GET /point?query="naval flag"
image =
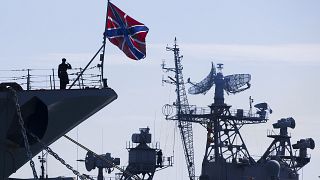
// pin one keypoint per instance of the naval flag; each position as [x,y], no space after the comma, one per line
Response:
[126,33]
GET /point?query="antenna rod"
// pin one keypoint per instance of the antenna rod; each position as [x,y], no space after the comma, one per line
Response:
[104,44]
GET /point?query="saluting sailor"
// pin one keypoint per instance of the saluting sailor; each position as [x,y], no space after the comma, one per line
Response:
[62,73]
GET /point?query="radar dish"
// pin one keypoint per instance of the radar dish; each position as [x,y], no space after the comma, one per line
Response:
[205,85]
[234,83]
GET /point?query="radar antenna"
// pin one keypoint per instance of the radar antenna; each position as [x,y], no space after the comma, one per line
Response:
[231,84]
[236,81]
[205,85]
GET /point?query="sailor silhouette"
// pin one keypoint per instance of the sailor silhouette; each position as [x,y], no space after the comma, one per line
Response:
[62,73]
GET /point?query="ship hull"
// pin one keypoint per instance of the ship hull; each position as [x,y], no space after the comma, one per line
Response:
[238,171]
[49,114]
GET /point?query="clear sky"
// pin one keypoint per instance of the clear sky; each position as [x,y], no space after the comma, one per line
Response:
[276,41]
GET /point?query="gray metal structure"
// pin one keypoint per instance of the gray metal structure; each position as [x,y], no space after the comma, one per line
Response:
[142,158]
[226,155]
[182,107]
[281,149]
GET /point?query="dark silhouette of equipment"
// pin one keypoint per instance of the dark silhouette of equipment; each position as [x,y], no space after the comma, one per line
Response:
[283,124]
[262,109]
[281,150]
[303,145]
[143,160]
[105,161]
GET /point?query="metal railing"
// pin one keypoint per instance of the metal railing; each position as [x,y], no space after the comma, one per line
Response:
[195,110]
[47,79]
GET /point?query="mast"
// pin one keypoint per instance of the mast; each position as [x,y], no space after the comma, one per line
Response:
[182,108]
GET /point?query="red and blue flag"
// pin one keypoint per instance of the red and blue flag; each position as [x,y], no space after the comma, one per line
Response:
[126,33]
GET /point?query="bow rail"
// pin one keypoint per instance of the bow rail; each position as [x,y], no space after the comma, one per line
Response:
[47,79]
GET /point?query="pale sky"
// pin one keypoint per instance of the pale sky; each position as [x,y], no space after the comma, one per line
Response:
[276,41]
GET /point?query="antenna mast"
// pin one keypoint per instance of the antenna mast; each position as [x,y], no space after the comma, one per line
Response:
[226,155]
[182,107]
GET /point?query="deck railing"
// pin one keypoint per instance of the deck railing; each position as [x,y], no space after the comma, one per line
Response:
[37,79]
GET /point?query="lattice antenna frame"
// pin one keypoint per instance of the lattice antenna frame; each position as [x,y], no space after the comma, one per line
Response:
[235,83]
[205,85]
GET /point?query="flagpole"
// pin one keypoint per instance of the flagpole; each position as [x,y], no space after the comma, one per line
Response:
[104,47]
[86,67]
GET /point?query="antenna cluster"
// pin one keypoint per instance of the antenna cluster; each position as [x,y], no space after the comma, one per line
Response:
[232,83]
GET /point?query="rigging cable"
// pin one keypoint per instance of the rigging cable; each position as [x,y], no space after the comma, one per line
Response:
[62,161]
[103,159]
[27,146]
[23,131]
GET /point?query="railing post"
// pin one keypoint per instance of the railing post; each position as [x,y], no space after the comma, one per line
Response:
[28,80]
[79,83]
[82,78]
[50,82]
[54,81]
